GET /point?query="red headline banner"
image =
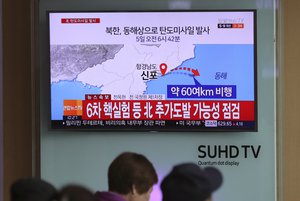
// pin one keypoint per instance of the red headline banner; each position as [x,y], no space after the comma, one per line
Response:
[167,110]
[79,20]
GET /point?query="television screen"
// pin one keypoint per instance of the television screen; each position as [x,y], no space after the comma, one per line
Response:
[153,70]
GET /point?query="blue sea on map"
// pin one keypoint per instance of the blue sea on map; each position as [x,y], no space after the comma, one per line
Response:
[71,90]
[237,61]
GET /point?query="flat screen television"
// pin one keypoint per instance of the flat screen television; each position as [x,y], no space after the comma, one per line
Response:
[153,70]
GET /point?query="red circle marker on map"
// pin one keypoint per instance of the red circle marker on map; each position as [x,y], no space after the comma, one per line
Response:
[163,68]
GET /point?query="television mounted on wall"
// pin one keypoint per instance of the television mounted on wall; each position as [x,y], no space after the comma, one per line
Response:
[153,70]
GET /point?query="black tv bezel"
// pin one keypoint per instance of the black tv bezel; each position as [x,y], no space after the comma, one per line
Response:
[51,122]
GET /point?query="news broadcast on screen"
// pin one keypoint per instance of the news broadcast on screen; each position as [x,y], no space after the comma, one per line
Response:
[153,70]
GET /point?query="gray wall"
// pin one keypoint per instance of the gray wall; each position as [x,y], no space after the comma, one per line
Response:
[83,157]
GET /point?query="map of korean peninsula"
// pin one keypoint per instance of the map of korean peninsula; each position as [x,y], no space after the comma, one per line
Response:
[114,68]
[67,61]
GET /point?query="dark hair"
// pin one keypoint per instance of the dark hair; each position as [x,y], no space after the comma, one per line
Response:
[188,181]
[32,189]
[130,169]
[75,192]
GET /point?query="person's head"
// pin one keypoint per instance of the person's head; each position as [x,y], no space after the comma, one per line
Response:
[75,192]
[132,175]
[188,181]
[32,189]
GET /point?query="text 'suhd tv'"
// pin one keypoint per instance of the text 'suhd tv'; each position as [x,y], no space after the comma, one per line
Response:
[153,70]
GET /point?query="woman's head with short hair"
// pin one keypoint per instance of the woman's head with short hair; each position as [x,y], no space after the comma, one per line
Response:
[130,170]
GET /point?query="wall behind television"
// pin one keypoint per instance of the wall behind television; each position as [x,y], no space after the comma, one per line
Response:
[1,109]
[83,157]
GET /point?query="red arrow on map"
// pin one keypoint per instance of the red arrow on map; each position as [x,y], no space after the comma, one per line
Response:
[195,72]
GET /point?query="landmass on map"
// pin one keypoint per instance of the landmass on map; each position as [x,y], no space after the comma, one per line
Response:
[120,74]
[67,61]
